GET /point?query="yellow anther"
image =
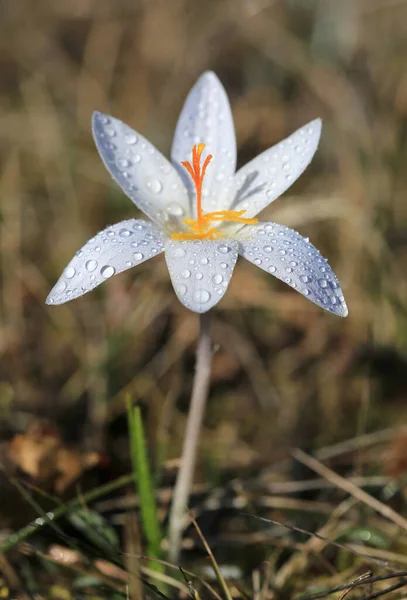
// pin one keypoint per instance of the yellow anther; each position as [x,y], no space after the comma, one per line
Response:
[200,228]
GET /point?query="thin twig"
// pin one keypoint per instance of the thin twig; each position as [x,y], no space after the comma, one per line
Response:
[350,488]
[360,581]
[188,458]
[218,572]
[382,563]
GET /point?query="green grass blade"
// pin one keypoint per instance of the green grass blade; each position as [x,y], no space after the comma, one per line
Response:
[143,479]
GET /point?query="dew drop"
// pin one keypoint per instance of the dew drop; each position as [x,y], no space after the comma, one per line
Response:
[217,278]
[224,248]
[257,261]
[69,272]
[91,265]
[186,273]
[138,256]
[322,283]
[179,252]
[130,138]
[272,269]
[155,186]
[110,131]
[223,265]
[175,209]
[202,296]
[304,278]
[124,233]
[204,261]
[198,275]
[268,249]
[123,163]
[128,263]
[136,158]
[182,290]
[60,287]
[107,271]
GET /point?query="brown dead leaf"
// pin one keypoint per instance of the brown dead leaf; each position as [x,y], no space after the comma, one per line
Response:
[39,452]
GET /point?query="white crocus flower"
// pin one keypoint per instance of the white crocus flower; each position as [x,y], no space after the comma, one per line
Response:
[202,213]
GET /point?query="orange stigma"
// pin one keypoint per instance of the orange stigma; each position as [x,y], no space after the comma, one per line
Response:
[200,228]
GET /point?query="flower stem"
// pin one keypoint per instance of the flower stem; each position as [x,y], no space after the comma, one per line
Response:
[189,451]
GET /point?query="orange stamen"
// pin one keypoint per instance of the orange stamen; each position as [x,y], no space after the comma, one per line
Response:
[200,229]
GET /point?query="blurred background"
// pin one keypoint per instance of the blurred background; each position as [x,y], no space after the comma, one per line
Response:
[285,374]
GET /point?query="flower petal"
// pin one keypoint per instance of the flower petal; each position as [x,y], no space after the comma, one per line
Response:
[142,172]
[201,270]
[271,173]
[115,249]
[206,118]
[290,257]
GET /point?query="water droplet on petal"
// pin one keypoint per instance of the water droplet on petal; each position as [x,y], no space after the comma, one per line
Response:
[179,252]
[268,249]
[202,296]
[60,287]
[136,158]
[107,271]
[182,290]
[138,256]
[322,283]
[123,163]
[272,269]
[204,261]
[124,233]
[175,209]
[91,265]
[217,278]
[69,272]
[304,278]
[110,131]
[198,276]
[155,185]
[224,248]
[130,139]
[186,274]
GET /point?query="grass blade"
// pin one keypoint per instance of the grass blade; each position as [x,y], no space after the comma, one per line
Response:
[143,479]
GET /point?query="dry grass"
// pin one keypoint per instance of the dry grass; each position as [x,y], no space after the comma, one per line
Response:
[291,374]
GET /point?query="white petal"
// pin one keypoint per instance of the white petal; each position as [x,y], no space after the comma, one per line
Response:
[111,251]
[201,270]
[206,118]
[142,172]
[285,254]
[271,173]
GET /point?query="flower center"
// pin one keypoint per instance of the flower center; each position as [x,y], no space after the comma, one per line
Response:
[200,228]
